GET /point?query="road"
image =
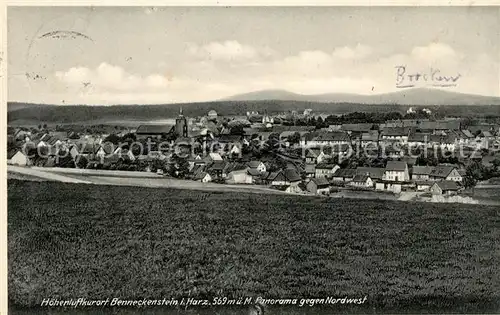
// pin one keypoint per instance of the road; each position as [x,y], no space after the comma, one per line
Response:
[45,175]
[140,179]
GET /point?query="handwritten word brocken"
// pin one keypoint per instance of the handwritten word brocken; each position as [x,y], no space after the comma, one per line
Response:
[434,77]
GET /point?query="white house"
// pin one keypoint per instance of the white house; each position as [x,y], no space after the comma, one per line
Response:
[445,187]
[240,176]
[203,177]
[19,158]
[361,181]
[326,170]
[258,165]
[396,171]
[445,172]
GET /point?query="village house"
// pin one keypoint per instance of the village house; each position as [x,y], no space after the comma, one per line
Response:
[376,173]
[318,186]
[370,139]
[325,139]
[445,172]
[203,177]
[344,175]
[390,186]
[423,185]
[396,171]
[418,139]
[397,134]
[213,157]
[356,130]
[284,178]
[18,158]
[420,173]
[325,170]
[445,187]
[439,125]
[310,170]
[158,131]
[315,156]
[361,181]
[237,173]
[104,150]
[257,165]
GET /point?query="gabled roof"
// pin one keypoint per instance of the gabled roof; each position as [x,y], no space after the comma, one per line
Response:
[345,172]
[253,172]
[333,136]
[313,152]
[360,178]
[11,153]
[398,166]
[321,181]
[442,171]
[291,175]
[422,170]
[395,131]
[373,172]
[467,133]
[440,125]
[371,135]
[235,166]
[200,175]
[229,138]
[254,164]
[218,166]
[419,137]
[215,156]
[108,148]
[365,127]
[325,166]
[448,185]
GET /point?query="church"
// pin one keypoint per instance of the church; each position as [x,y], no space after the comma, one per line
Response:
[161,131]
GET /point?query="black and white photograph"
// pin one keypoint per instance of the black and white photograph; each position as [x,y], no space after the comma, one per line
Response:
[227,159]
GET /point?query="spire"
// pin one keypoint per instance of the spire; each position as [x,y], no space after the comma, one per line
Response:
[180,111]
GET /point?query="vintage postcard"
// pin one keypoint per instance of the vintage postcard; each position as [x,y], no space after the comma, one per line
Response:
[253,160]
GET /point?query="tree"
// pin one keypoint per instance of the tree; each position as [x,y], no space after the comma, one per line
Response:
[81,161]
[237,130]
[294,138]
[112,138]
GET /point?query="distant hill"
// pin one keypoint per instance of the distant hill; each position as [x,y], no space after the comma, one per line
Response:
[34,114]
[417,96]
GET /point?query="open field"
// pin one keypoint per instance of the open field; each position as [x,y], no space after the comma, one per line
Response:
[135,242]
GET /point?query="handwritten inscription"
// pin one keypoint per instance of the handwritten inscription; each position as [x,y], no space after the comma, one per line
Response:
[433,77]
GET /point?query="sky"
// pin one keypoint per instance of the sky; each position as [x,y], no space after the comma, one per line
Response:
[148,55]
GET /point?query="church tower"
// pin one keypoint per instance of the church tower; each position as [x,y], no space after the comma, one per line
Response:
[181,125]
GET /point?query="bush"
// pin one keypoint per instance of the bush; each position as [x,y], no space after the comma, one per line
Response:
[132,168]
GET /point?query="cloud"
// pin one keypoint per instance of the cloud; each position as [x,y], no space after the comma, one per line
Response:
[229,50]
[109,77]
[434,51]
[213,74]
[357,52]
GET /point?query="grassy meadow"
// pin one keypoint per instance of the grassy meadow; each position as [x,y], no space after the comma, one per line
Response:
[77,240]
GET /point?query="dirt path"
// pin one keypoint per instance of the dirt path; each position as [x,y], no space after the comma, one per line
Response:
[147,180]
[45,175]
